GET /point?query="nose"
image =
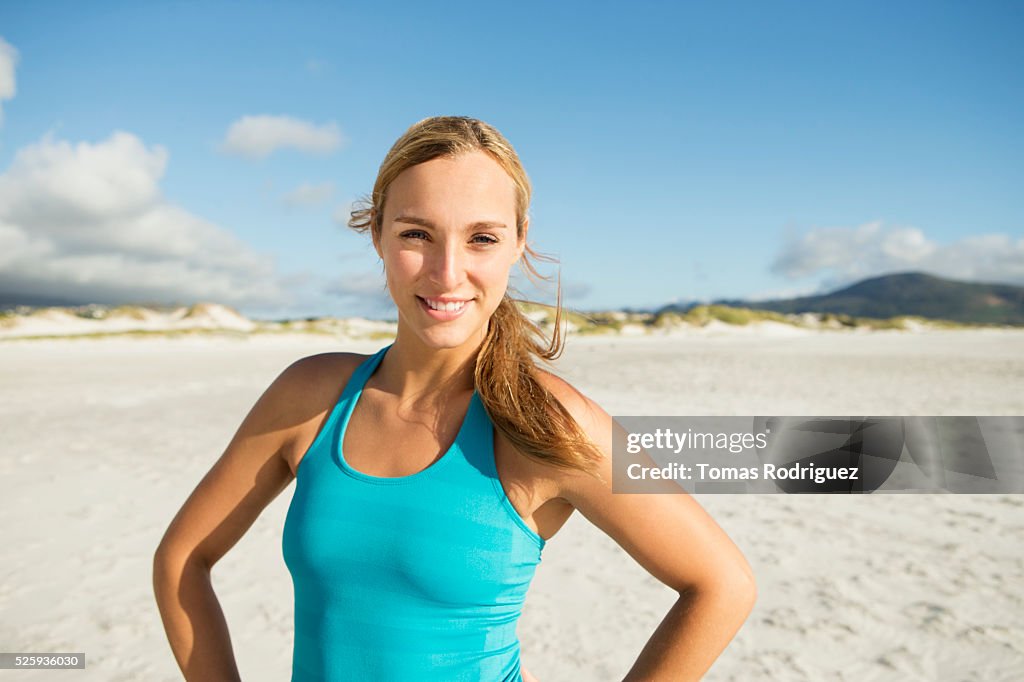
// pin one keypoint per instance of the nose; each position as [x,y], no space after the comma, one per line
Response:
[446,265]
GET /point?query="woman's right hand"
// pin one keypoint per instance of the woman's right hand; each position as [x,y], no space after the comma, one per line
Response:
[253,470]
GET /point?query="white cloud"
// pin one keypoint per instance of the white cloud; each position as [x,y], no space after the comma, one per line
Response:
[8,86]
[309,195]
[255,137]
[88,222]
[843,255]
[54,184]
[786,292]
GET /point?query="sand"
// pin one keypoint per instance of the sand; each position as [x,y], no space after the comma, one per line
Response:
[104,439]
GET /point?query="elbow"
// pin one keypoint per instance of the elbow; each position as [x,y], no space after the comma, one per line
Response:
[734,588]
[744,587]
[737,580]
[740,587]
[175,572]
[170,562]
[741,584]
[164,577]
[164,557]
[165,567]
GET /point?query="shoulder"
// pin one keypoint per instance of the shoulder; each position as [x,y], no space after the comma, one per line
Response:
[307,379]
[320,367]
[596,425]
[587,413]
[303,394]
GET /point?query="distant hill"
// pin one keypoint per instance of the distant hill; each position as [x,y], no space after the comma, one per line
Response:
[98,320]
[10,300]
[908,301]
[911,293]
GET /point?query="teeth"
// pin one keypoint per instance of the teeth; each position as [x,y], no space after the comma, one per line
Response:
[446,307]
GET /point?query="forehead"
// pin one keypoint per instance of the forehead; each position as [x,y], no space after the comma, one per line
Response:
[462,185]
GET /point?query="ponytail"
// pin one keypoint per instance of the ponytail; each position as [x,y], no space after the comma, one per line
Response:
[526,412]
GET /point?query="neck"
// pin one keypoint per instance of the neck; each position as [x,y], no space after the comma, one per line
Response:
[422,375]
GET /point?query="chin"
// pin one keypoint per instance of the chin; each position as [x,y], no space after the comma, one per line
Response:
[449,338]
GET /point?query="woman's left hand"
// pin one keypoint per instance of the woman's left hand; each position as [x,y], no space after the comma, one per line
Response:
[674,539]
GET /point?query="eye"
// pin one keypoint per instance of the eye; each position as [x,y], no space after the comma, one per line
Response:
[486,239]
[414,234]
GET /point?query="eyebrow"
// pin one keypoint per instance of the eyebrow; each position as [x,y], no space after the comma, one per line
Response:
[423,222]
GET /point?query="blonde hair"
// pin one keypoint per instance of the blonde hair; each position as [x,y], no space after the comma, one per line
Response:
[506,378]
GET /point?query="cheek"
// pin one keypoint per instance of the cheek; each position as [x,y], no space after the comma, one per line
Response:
[498,265]
[495,275]
[403,264]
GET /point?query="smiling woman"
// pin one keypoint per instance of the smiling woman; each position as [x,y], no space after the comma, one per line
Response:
[447,247]
[431,474]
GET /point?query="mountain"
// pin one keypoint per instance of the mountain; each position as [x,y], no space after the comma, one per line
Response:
[910,293]
[10,300]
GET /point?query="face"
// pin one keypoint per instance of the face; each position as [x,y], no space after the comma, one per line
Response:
[448,242]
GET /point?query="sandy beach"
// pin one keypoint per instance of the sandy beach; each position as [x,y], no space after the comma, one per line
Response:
[105,438]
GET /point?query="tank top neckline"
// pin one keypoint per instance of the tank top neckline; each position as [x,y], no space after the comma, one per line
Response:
[353,391]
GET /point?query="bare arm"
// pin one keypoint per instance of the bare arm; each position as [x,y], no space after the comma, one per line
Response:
[194,621]
[250,473]
[672,537]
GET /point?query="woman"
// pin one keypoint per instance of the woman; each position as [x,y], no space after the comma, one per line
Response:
[427,489]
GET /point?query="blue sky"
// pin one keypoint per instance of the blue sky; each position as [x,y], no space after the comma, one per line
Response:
[678,151]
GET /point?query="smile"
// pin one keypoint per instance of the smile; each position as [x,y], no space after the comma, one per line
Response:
[443,310]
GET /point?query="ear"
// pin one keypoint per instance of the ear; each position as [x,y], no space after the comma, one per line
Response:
[521,245]
[376,238]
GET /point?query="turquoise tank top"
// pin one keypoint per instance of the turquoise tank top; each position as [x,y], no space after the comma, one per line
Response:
[414,578]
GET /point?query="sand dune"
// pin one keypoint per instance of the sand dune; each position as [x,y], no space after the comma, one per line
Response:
[104,439]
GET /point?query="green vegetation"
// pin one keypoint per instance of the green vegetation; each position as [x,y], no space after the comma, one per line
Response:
[701,315]
[591,323]
[132,333]
[378,336]
[580,323]
[129,311]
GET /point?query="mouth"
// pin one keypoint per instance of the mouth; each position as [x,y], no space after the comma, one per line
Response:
[442,310]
